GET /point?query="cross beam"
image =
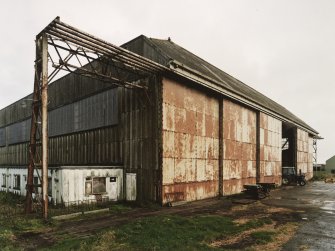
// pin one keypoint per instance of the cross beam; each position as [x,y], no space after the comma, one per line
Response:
[63,47]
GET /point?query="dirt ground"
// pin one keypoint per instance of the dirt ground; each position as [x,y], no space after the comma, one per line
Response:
[295,212]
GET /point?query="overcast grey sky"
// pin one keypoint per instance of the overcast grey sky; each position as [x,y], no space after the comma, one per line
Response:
[284,48]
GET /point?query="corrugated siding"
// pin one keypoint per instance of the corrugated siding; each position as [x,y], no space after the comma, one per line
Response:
[139,135]
[14,155]
[16,112]
[18,132]
[239,147]
[190,143]
[2,136]
[304,153]
[270,149]
[93,112]
[63,91]
[127,135]
[100,146]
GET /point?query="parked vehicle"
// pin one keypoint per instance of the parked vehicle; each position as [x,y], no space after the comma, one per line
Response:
[259,190]
[290,176]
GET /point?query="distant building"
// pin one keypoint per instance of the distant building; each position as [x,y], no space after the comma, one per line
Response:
[319,167]
[330,165]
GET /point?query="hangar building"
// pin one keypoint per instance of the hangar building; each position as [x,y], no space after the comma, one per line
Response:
[192,133]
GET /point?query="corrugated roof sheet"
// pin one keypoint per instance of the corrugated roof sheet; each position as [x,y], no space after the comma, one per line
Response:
[170,50]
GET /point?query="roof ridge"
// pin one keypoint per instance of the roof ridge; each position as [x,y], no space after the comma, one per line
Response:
[195,62]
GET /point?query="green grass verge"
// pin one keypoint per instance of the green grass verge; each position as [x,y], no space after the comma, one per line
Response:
[13,223]
[169,233]
[322,175]
[262,237]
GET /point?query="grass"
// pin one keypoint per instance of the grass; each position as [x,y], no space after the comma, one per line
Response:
[13,223]
[262,237]
[322,175]
[162,232]
[170,233]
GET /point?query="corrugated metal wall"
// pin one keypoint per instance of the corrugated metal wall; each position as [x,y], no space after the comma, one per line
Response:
[99,110]
[95,147]
[190,143]
[96,111]
[14,155]
[115,126]
[168,135]
[2,137]
[65,90]
[304,153]
[18,132]
[140,138]
[239,146]
[270,149]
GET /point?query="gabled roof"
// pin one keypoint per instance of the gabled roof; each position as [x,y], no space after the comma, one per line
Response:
[166,51]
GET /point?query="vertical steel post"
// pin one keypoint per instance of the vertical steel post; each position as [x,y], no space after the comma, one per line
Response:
[44,99]
[221,190]
[33,130]
[258,147]
[295,147]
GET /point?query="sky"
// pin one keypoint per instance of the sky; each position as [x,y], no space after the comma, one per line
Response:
[283,48]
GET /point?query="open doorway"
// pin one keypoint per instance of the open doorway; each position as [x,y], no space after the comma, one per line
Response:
[289,139]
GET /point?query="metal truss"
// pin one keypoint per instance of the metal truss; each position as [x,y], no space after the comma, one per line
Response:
[62,47]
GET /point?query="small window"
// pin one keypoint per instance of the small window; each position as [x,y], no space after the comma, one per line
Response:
[10,181]
[285,144]
[49,186]
[288,171]
[17,182]
[88,188]
[4,180]
[95,185]
[99,185]
[36,180]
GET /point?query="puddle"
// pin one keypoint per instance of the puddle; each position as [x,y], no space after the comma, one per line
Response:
[315,201]
[329,205]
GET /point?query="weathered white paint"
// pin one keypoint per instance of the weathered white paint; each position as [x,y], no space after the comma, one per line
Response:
[131,186]
[71,183]
[10,172]
[68,183]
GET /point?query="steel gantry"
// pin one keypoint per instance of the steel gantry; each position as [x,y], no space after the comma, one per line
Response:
[62,47]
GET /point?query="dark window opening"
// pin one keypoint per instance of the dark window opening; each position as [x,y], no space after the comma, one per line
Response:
[4,180]
[49,187]
[17,182]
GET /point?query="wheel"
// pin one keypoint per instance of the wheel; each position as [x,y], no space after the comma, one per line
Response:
[261,195]
[285,181]
[302,182]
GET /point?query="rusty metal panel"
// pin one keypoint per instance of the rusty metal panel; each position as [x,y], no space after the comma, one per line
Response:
[239,147]
[190,141]
[270,149]
[168,170]
[304,153]
[190,191]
